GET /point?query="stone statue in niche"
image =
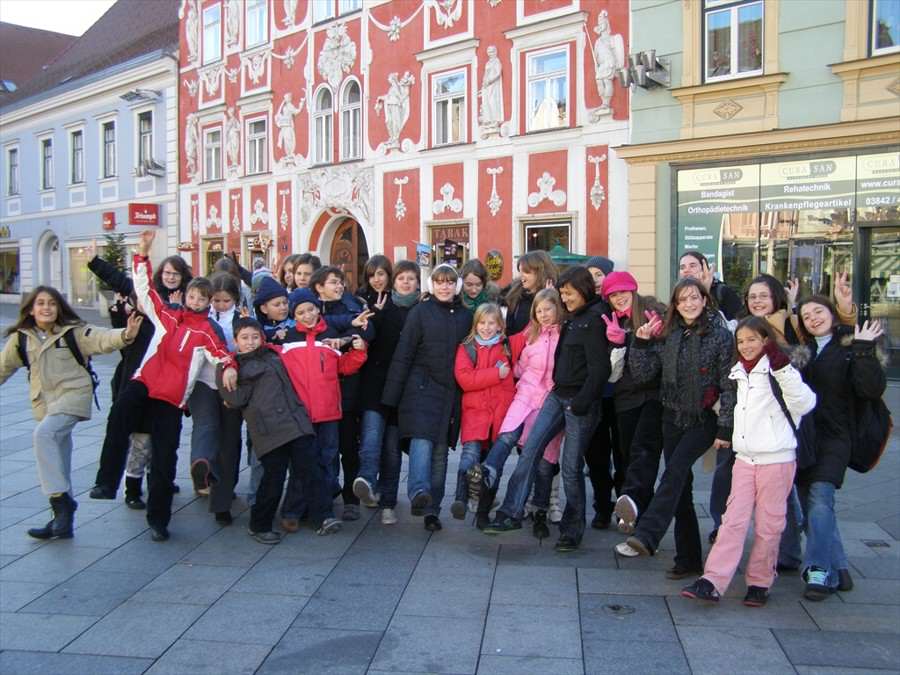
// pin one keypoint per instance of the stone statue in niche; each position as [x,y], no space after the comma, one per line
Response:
[609,57]
[191,27]
[192,147]
[491,95]
[396,106]
[284,120]
[232,140]
[290,13]
[232,22]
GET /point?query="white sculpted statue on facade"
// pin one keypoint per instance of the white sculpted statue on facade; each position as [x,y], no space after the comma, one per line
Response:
[232,22]
[609,56]
[192,146]
[338,55]
[284,120]
[491,95]
[191,27]
[232,140]
[396,106]
[290,12]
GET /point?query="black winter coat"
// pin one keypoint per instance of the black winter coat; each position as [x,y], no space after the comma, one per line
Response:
[338,315]
[845,369]
[273,411]
[517,319]
[420,381]
[581,363]
[389,323]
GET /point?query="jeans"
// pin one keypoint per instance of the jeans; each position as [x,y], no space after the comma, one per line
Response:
[371,432]
[543,484]
[216,437]
[721,485]
[824,548]
[348,433]
[204,404]
[301,453]
[391,463]
[53,451]
[674,496]
[606,458]
[471,454]
[499,453]
[640,432]
[427,472]
[579,429]
[790,553]
[296,503]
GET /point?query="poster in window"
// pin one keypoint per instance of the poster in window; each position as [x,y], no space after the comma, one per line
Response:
[878,180]
[819,184]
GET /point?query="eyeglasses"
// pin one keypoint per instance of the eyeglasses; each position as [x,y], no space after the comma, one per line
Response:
[759,296]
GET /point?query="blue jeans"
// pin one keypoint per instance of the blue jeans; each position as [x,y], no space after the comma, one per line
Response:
[295,504]
[790,553]
[371,439]
[721,485]
[391,463]
[579,430]
[824,548]
[499,453]
[427,472]
[205,404]
[471,454]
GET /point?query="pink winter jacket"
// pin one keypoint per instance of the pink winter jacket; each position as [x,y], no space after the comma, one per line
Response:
[534,371]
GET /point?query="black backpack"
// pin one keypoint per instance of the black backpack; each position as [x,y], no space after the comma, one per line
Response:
[871,435]
[69,339]
[805,433]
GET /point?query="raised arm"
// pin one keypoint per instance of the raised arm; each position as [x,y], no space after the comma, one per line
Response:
[111,275]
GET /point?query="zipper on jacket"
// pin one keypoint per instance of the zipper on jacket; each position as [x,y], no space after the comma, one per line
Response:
[187,335]
[322,362]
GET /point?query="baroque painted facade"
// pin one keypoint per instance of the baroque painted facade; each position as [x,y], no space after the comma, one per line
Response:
[352,127]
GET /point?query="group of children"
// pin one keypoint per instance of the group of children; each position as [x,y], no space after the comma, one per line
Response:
[331,382]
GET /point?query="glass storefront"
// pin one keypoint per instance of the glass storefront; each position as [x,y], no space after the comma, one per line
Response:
[789,218]
[83,289]
[9,270]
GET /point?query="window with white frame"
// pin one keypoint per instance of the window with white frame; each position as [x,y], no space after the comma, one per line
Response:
[76,163]
[548,89]
[449,100]
[256,22]
[885,25]
[322,125]
[347,6]
[145,136]
[322,10]
[109,149]
[257,152]
[542,236]
[12,171]
[212,33]
[47,164]
[733,39]
[351,126]
[212,154]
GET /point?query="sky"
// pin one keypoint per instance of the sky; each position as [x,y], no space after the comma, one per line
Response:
[72,17]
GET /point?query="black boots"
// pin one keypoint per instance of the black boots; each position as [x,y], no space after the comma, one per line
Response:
[540,529]
[485,502]
[133,494]
[62,525]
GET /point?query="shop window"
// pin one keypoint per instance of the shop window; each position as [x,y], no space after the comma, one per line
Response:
[212,148]
[322,127]
[82,282]
[351,126]
[733,39]
[76,144]
[885,37]
[12,171]
[256,23]
[322,10]
[47,164]
[449,100]
[212,34]
[347,6]
[109,149]
[145,136]
[9,270]
[548,89]
[257,152]
[543,236]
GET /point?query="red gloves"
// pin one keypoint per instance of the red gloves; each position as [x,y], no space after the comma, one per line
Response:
[777,358]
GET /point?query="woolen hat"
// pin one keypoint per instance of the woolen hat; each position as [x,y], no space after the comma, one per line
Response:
[267,290]
[605,265]
[618,281]
[301,295]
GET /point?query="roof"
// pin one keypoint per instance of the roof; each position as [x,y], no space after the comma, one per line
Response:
[128,29]
[24,51]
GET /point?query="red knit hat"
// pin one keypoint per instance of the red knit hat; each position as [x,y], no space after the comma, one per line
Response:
[618,281]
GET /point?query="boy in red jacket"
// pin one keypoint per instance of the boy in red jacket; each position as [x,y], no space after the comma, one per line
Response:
[314,363]
[183,338]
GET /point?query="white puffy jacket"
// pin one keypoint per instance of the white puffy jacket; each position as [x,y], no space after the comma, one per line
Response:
[762,434]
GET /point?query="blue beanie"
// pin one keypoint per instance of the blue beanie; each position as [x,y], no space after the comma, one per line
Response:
[301,295]
[605,265]
[268,289]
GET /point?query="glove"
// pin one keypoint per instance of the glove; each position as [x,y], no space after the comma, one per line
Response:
[614,332]
[777,358]
[658,328]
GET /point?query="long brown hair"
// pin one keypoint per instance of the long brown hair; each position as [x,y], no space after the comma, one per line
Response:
[550,295]
[65,315]
[673,317]
[541,264]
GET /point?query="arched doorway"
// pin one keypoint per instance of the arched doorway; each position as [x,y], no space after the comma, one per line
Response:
[349,252]
[50,261]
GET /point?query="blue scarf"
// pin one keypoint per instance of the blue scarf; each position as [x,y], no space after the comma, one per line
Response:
[822,342]
[488,343]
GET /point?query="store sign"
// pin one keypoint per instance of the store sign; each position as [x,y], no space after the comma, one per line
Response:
[5,232]
[144,215]
[109,220]
[821,184]
[706,197]
[878,180]
[458,233]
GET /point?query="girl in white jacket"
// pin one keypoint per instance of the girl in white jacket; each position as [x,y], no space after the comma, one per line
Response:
[765,445]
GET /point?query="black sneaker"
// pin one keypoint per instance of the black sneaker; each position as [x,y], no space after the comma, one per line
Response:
[566,544]
[540,529]
[200,475]
[268,538]
[159,533]
[817,588]
[458,509]
[420,502]
[502,523]
[756,596]
[102,492]
[433,524]
[677,572]
[702,589]
[845,581]
[224,518]
[135,502]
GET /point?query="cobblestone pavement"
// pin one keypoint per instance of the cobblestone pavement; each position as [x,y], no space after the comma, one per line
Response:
[397,599]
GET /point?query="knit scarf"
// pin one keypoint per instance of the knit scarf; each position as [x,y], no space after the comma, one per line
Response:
[473,303]
[404,299]
[681,374]
[490,342]
[751,364]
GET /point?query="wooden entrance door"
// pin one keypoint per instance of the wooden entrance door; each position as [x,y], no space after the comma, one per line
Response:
[349,252]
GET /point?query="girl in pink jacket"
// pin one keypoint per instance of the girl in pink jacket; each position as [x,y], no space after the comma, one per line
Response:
[532,354]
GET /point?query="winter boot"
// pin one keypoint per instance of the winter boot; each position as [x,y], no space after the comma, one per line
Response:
[63,522]
[540,529]
[133,493]
[485,502]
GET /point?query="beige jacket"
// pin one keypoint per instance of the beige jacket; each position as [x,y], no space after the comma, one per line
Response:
[59,385]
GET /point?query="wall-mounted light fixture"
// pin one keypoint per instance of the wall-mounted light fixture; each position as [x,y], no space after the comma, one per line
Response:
[140,95]
[645,70]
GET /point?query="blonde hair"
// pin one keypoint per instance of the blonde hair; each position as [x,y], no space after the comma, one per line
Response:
[486,309]
[550,295]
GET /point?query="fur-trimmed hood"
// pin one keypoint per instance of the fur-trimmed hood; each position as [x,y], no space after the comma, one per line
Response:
[801,355]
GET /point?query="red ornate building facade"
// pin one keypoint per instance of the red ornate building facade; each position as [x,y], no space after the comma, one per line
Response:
[352,127]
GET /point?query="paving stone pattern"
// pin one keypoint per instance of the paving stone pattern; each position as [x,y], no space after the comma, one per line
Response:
[397,599]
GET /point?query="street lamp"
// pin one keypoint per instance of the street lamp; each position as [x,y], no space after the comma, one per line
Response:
[645,70]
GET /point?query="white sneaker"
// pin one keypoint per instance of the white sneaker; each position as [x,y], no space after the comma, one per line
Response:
[626,551]
[388,517]
[627,512]
[363,491]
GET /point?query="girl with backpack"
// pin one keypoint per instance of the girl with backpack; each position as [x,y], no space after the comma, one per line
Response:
[841,367]
[45,340]
[763,474]
[484,373]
